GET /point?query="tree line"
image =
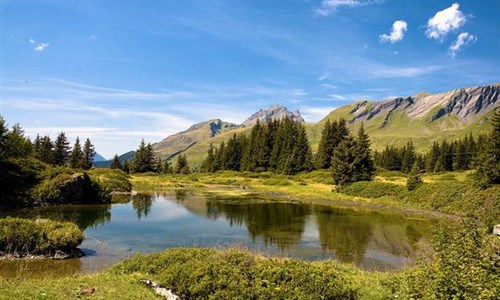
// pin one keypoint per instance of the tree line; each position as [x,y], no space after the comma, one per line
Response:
[14,144]
[282,146]
[145,160]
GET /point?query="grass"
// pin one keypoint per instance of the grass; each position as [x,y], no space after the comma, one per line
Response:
[43,237]
[107,286]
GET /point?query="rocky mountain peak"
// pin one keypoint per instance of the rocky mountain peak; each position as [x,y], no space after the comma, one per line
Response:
[274,112]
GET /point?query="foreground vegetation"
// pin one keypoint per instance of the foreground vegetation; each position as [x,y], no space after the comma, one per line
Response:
[21,237]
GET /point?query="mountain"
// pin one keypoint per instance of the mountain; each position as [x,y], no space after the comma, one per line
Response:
[98,157]
[107,163]
[181,141]
[423,118]
[275,112]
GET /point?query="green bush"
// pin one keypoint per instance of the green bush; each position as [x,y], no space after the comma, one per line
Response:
[111,180]
[373,189]
[276,182]
[23,236]
[63,185]
[236,274]
[465,266]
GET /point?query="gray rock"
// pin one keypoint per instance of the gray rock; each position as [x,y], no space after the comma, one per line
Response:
[496,229]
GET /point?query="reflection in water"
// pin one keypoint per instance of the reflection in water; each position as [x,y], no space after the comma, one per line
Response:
[280,224]
[344,233]
[85,216]
[142,205]
[149,223]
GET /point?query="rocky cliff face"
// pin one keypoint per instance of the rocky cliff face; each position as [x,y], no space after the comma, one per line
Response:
[275,112]
[181,141]
[465,104]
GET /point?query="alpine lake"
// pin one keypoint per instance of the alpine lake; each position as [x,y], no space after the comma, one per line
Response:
[372,239]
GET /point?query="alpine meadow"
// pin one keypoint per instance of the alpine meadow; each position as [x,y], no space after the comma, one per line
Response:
[320,149]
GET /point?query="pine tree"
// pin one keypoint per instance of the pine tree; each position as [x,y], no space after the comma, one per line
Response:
[4,132]
[209,162]
[182,165]
[144,160]
[17,144]
[62,150]
[76,158]
[88,155]
[126,167]
[45,152]
[408,158]
[301,157]
[414,180]
[159,166]
[323,157]
[488,161]
[116,164]
[343,163]
[364,167]
[167,167]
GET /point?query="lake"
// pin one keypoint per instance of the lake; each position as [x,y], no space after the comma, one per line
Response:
[371,239]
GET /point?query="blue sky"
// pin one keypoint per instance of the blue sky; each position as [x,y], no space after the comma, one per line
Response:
[119,71]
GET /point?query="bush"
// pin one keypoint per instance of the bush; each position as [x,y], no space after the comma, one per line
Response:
[465,267]
[63,185]
[23,236]
[373,189]
[276,182]
[112,180]
[236,274]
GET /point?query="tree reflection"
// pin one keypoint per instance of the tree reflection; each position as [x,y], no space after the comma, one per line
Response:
[142,205]
[344,234]
[280,224]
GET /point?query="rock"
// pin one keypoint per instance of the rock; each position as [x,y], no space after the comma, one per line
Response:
[275,112]
[165,293]
[496,229]
[61,255]
[87,291]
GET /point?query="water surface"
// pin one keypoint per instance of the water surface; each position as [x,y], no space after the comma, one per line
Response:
[370,239]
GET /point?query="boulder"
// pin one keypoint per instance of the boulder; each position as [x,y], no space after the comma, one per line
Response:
[496,230]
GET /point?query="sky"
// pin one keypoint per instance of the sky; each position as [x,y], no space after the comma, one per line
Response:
[120,71]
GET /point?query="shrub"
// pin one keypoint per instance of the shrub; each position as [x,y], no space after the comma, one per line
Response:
[373,189]
[236,274]
[64,185]
[112,180]
[276,182]
[23,236]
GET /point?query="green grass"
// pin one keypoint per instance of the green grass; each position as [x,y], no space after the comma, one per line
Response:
[43,237]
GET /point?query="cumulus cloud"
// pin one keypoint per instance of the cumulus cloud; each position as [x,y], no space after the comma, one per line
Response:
[397,34]
[463,39]
[445,21]
[330,6]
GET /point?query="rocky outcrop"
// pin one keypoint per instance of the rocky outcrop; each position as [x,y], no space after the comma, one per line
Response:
[464,104]
[275,112]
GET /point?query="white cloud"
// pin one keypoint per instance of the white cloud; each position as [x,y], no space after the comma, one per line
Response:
[330,6]
[338,97]
[444,22]
[325,76]
[397,34]
[463,39]
[329,86]
[32,41]
[41,47]
[400,72]
[298,93]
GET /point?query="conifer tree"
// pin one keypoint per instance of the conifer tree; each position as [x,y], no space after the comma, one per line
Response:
[167,167]
[17,144]
[159,166]
[76,159]
[4,131]
[364,167]
[45,152]
[325,150]
[343,165]
[116,164]
[144,160]
[488,161]
[182,165]
[126,167]
[88,155]
[414,180]
[62,150]
[209,162]
[408,158]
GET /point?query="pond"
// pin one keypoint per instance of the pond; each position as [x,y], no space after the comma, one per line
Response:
[371,239]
